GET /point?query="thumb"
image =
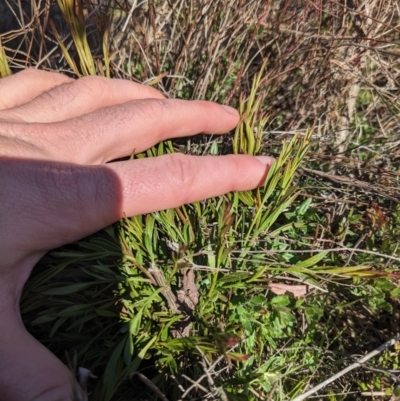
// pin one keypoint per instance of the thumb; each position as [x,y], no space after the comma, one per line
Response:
[30,372]
[57,203]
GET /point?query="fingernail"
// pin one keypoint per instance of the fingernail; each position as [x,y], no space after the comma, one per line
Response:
[265,160]
[230,110]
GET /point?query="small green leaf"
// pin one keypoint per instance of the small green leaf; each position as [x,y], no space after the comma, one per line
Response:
[44,319]
[134,324]
[304,206]
[280,300]
[113,369]
[67,289]
[233,277]
[258,300]
[106,313]
[128,350]
[311,261]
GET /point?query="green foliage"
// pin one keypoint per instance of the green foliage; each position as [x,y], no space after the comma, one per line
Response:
[206,235]
[4,67]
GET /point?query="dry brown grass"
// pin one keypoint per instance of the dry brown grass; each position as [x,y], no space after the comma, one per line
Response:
[320,54]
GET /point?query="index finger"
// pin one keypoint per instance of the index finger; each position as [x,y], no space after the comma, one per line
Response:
[25,85]
[117,131]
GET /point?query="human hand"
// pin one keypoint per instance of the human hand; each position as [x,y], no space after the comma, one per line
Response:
[57,136]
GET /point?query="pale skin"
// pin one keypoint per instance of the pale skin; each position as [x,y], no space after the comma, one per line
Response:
[57,137]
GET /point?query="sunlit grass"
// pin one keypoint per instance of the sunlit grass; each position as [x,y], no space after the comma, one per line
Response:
[4,67]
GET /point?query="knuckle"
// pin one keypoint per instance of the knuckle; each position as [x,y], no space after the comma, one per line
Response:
[108,118]
[183,170]
[30,74]
[148,108]
[83,89]
[91,87]
[16,140]
[155,93]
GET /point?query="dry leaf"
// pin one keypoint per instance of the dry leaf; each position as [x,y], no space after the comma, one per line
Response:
[296,291]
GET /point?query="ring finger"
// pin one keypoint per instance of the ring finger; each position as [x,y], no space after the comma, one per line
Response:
[75,98]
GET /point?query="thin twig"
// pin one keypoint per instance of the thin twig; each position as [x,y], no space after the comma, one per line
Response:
[151,386]
[349,368]
[198,385]
[376,188]
[170,297]
[129,16]
[267,251]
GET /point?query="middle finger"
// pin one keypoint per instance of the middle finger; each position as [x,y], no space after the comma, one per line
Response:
[117,131]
